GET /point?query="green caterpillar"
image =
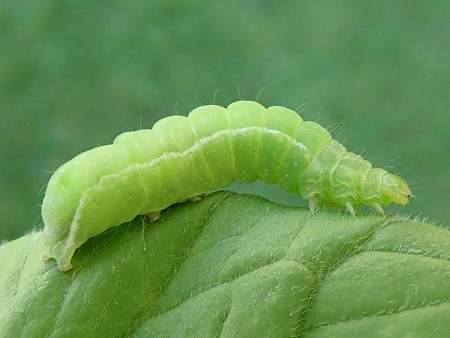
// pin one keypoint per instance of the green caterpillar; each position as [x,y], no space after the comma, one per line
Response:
[146,171]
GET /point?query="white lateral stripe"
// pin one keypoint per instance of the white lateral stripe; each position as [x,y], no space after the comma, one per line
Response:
[205,140]
[74,227]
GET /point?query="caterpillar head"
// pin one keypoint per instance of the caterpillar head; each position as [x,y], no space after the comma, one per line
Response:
[396,189]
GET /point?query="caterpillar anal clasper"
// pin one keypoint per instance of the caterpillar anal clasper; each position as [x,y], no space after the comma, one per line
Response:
[146,171]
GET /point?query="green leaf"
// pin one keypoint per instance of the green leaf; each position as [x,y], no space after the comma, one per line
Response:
[235,266]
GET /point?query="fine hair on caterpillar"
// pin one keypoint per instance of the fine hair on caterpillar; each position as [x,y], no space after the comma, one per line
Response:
[145,171]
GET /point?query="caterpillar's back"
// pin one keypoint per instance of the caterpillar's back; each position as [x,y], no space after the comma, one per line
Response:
[180,157]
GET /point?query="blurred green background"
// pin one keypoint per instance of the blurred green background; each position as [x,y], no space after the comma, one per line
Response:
[74,74]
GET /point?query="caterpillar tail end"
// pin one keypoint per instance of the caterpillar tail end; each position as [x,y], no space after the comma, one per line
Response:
[65,266]
[62,265]
[63,257]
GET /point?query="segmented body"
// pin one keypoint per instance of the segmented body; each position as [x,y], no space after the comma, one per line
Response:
[148,170]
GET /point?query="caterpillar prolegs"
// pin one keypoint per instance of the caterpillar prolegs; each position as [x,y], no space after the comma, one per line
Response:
[146,171]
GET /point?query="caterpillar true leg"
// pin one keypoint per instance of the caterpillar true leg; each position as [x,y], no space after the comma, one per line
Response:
[379,208]
[350,208]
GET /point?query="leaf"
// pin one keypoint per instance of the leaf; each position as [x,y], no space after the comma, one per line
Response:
[235,266]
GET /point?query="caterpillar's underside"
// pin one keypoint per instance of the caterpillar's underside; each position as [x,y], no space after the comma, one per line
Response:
[181,157]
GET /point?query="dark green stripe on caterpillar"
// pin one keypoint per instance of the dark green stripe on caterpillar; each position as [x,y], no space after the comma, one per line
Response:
[146,171]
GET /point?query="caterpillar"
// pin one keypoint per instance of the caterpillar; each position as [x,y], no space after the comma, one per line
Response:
[146,171]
